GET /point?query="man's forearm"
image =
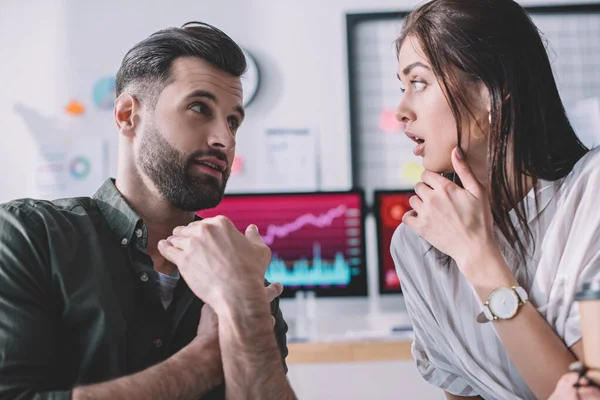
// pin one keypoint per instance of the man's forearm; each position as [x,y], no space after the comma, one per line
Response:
[189,374]
[252,363]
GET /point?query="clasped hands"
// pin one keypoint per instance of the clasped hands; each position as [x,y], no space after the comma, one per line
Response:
[224,268]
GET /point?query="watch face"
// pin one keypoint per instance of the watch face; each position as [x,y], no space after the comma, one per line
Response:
[504,303]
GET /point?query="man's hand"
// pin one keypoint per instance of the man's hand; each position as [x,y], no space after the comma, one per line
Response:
[226,269]
[208,328]
[220,264]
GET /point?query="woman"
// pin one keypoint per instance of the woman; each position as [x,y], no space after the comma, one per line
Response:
[508,208]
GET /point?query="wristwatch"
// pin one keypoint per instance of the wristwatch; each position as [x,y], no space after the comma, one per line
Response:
[503,303]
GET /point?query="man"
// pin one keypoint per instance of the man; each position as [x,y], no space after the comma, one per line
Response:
[91,301]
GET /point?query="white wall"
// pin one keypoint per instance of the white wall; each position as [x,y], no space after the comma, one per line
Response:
[57,46]
[51,46]
[29,73]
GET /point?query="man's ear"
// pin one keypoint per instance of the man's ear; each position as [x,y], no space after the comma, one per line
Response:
[126,111]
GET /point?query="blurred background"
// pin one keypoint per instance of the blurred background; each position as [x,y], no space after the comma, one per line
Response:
[322,165]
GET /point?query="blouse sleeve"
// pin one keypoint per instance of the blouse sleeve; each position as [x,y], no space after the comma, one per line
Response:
[431,362]
[570,253]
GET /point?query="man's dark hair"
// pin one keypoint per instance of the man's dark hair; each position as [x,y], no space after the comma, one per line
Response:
[146,68]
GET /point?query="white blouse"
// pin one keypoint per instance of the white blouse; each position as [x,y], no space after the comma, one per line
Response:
[463,357]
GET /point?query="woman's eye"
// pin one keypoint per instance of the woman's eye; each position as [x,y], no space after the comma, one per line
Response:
[418,85]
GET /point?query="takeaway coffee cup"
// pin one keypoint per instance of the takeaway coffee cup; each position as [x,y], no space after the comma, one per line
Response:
[589,309]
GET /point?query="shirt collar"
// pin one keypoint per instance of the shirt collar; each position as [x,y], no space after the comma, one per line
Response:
[542,195]
[121,219]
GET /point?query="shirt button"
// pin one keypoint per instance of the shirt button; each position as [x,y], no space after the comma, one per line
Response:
[144,277]
[139,233]
[124,241]
[158,342]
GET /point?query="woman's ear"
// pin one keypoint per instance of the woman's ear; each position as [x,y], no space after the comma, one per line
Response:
[484,96]
[485,105]
[125,112]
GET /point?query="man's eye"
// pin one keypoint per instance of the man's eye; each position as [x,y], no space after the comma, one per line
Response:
[198,107]
[234,124]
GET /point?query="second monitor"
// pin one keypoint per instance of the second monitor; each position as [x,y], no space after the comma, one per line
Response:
[389,207]
[316,239]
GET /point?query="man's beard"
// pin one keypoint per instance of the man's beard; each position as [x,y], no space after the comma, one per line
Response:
[171,172]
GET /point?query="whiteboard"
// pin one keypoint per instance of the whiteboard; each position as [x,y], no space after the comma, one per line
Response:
[382,156]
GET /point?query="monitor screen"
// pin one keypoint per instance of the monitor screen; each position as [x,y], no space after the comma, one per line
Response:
[316,239]
[390,206]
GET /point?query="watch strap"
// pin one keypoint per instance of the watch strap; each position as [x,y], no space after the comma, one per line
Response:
[523,296]
[485,315]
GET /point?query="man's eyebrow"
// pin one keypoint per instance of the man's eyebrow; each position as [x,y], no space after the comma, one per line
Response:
[240,109]
[202,93]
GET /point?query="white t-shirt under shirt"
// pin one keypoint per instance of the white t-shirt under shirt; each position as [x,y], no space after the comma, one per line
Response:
[166,285]
[463,357]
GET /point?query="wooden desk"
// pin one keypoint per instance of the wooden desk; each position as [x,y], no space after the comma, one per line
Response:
[342,352]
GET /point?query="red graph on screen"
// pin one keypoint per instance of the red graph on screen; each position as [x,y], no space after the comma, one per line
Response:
[320,221]
[392,207]
[315,239]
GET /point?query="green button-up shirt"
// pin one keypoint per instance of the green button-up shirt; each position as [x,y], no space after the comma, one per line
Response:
[78,297]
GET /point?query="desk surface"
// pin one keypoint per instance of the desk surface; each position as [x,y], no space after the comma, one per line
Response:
[342,352]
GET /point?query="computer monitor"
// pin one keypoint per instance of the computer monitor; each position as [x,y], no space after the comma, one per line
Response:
[389,207]
[317,239]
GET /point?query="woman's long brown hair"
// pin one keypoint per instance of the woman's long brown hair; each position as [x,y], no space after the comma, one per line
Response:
[496,42]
